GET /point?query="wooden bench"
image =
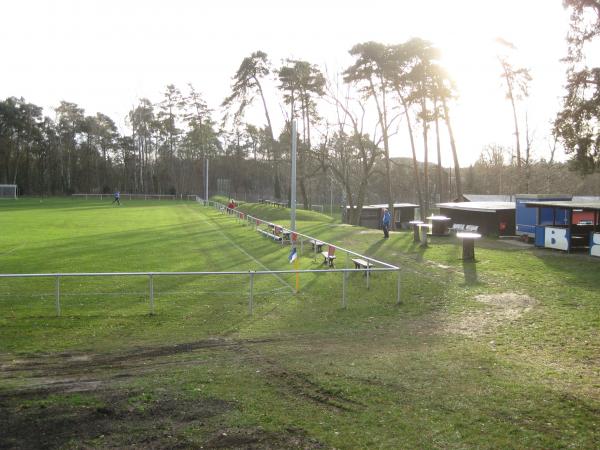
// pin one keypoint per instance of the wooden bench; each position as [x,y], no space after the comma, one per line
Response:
[317,244]
[270,235]
[456,227]
[362,264]
[329,256]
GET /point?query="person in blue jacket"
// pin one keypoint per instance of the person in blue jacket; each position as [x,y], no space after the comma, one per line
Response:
[385,222]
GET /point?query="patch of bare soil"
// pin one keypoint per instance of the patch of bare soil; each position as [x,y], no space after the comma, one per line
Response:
[300,385]
[499,309]
[65,364]
[79,401]
[104,419]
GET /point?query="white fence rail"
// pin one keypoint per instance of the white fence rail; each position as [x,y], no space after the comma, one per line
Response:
[137,196]
[151,276]
[313,207]
[255,221]
[251,221]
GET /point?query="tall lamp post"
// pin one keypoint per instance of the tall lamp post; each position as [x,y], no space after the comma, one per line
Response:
[206,179]
[293,203]
[293,179]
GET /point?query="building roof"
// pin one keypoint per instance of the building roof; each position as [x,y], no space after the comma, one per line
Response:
[396,205]
[594,206]
[586,198]
[478,206]
[488,198]
[534,197]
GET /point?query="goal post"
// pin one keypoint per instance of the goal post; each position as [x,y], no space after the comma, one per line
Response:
[8,191]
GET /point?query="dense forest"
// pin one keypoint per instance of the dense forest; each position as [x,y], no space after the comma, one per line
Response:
[400,93]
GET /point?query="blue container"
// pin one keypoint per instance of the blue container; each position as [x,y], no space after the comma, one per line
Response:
[527,218]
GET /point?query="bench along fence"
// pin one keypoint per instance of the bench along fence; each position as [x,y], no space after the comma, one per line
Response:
[138,196]
[318,208]
[286,236]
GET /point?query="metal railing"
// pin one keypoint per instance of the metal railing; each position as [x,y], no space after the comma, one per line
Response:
[249,220]
[313,207]
[151,276]
[138,196]
[256,222]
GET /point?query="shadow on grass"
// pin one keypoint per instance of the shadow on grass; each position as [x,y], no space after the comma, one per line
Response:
[374,248]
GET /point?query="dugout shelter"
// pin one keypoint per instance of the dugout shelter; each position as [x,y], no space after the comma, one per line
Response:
[493,218]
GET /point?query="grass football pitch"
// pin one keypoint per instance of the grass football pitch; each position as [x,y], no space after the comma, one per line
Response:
[500,353]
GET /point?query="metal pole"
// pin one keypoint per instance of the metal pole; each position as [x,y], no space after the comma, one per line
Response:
[251,297]
[58,296]
[293,200]
[344,289]
[331,196]
[206,179]
[293,179]
[398,299]
[368,274]
[151,282]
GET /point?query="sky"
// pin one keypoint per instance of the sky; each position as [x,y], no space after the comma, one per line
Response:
[105,55]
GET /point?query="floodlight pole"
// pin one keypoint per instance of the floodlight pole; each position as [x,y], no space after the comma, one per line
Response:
[293,202]
[331,195]
[293,179]
[206,180]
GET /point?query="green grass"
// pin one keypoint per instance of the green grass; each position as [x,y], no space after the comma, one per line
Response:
[441,370]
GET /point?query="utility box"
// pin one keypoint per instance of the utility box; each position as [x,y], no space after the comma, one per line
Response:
[528,218]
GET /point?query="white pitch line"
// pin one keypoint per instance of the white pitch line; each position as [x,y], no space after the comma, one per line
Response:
[246,253]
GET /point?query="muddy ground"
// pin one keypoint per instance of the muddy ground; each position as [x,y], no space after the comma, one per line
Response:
[83,401]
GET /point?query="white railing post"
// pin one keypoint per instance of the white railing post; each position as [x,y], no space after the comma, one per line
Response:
[344,289]
[58,295]
[398,299]
[151,286]
[251,296]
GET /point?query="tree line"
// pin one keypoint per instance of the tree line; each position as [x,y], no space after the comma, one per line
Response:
[348,126]
[171,140]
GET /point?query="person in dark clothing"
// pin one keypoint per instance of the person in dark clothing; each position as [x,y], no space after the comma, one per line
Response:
[117,198]
[385,222]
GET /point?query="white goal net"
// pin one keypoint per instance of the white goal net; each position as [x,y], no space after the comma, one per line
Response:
[8,191]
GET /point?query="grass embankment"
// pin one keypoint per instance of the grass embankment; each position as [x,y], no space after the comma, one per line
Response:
[501,353]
